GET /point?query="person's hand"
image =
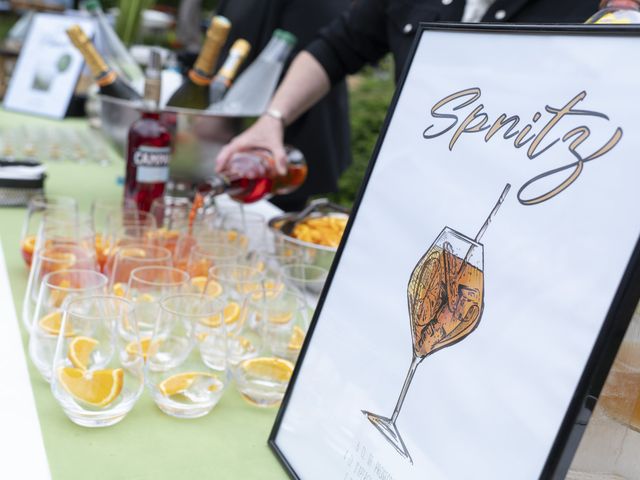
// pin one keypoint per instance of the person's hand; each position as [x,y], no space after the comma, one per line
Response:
[268,133]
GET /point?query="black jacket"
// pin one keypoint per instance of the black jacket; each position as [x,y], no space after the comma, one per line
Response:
[372,28]
[322,134]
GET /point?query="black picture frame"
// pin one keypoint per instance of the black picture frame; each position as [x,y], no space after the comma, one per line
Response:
[620,310]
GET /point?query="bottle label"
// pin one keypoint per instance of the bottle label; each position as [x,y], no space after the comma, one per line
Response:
[152,164]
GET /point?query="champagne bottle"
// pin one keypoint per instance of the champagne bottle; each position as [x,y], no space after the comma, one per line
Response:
[248,177]
[194,92]
[227,73]
[617,12]
[252,91]
[108,81]
[113,50]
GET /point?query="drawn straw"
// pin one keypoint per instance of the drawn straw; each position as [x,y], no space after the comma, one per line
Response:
[484,226]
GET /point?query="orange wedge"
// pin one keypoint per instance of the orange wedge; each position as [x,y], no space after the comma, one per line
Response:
[80,350]
[118,289]
[231,315]
[100,389]
[296,340]
[271,368]
[58,296]
[145,346]
[52,322]
[180,382]
[200,282]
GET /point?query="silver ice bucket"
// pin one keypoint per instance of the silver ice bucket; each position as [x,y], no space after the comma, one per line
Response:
[197,135]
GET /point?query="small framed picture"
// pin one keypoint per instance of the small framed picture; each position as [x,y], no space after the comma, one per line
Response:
[48,67]
[490,268]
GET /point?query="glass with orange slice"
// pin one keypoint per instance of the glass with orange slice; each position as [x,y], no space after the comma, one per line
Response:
[183,382]
[203,256]
[251,225]
[58,288]
[234,284]
[51,258]
[98,368]
[128,257]
[277,320]
[40,208]
[148,286]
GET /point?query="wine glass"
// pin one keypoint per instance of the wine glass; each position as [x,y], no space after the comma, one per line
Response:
[203,256]
[250,224]
[445,299]
[128,258]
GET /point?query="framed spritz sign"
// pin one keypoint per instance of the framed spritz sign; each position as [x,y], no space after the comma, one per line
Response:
[489,270]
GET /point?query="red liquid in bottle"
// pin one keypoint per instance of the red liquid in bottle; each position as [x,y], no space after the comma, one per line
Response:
[247,177]
[148,155]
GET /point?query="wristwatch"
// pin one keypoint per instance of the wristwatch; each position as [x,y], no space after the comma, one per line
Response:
[277,114]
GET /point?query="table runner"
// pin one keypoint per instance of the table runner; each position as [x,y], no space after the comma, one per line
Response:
[229,443]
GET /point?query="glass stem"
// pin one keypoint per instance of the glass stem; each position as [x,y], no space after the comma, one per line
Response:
[412,369]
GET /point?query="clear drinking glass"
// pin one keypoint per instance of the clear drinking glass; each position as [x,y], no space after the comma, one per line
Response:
[58,288]
[53,258]
[263,351]
[250,224]
[306,278]
[147,287]
[128,258]
[40,208]
[98,368]
[203,256]
[184,374]
[100,211]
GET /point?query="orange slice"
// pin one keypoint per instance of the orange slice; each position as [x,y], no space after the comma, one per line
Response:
[296,340]
[214,289]
[231,315]
[100,389]
[118,289]
[145,346]
[28,245]
[180,382]
[52,322]
[271,368]
[58,296]
[132,252]
[80,350]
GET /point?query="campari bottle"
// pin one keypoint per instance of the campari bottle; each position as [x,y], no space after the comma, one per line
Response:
[247,177]
[617,12]
[149,145]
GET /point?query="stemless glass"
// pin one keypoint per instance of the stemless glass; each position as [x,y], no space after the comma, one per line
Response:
[184,375]
[128,258]
[147,287]
[39,209]
[203,256]
[266,344]
[250,224]
[58,288]
[98,373]
[53,258]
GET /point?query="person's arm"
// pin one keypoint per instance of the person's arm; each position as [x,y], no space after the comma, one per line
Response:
[305,83]
[355,38]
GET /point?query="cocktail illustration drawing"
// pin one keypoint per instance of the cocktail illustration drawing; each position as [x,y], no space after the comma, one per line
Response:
[445,298]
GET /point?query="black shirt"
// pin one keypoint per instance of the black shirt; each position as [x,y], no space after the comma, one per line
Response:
[372,28]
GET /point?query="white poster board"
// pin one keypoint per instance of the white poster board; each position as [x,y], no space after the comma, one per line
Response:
[507,325]
[48,67]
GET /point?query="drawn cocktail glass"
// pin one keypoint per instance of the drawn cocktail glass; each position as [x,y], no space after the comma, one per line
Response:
[445,297]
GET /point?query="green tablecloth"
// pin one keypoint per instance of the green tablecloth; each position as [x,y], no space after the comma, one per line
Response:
[229,443]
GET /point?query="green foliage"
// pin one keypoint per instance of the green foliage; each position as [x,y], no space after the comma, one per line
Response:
[370,95]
